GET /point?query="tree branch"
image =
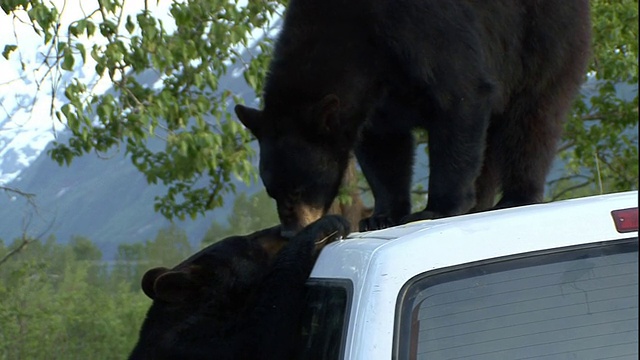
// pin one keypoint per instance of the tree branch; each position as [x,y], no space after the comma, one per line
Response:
[26,195]
[570,188]
[26,240]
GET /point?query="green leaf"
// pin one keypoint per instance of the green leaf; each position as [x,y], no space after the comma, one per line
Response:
[83,51]
[67,60]
[129,25]
[91,28]
[7,50]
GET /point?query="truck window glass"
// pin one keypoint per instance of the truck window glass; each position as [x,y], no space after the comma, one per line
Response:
[324,321]
[577,303]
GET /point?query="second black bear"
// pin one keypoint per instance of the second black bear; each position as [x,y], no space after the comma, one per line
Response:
[240,298]
[490,81]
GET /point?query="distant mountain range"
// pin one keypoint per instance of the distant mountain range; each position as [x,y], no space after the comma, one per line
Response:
[108,201]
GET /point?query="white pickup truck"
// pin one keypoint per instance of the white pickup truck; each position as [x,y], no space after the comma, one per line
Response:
[548,281]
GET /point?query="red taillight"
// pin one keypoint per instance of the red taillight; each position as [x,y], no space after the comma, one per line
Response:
[626,219]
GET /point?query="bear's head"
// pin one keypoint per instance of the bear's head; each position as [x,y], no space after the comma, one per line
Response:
[216,301]
[217,278]
[197,302]
[303,155]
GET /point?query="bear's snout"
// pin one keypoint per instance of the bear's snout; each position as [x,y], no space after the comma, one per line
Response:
[295,218]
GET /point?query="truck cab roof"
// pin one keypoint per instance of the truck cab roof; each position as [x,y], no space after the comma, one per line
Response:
[378,264]
[467,238]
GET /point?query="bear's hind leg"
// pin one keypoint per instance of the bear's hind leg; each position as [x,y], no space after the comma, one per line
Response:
[529,137]
[488,183]
[456,153]
[555,54]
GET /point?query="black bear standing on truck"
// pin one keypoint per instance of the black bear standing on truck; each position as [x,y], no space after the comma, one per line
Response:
[490,81]
[240,298]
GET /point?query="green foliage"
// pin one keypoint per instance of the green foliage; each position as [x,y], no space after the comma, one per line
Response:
[169,248]
[58,302]
[190,52]
[84,249]
[7,50]
[601,137]
[250,213]
[63,302]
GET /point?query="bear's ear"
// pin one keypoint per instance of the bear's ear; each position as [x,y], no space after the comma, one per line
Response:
[149,279]
[327,113]
[176,285]
[250,118]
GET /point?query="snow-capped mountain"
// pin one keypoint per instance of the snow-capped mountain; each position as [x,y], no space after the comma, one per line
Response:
[28,91]
[26,123]
[18,149]
[26,127]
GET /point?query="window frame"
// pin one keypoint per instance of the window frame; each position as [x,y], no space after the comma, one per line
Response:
[404,307]
[347,285]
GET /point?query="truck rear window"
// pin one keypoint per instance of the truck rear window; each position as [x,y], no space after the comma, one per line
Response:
[324,321]
[577,303]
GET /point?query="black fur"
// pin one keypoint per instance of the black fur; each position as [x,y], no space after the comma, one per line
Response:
[491,82]
[240,298]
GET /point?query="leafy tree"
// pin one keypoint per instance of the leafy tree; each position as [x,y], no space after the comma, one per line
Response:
[601,137]
[189,51]
[47,254]
[168,248]
[53,307]
[84,249]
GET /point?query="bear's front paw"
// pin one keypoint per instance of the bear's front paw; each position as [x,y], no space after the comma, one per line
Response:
[330,228]
[421,215]
[377,222]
